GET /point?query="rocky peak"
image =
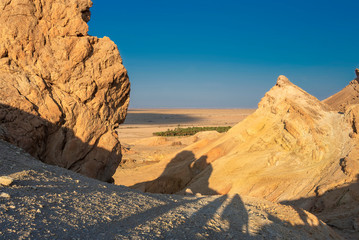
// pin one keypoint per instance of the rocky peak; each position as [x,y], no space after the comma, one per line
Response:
[286,94]
[282,81]
[62,92]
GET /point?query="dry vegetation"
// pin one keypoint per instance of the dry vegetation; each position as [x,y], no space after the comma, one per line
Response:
[189,131]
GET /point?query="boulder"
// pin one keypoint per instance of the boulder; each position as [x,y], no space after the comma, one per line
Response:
[62,92]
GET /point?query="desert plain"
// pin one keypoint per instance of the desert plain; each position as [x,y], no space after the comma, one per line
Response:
[141,147]
[142,123]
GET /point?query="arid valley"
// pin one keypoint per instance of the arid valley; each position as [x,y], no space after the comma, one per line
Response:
[148,145]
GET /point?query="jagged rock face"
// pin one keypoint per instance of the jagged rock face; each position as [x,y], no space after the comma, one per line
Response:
[62,92]
[346,97]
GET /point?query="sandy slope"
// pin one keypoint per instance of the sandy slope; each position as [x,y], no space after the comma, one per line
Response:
[48,202]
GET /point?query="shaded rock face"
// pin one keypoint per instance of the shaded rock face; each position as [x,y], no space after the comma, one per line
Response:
[62,92]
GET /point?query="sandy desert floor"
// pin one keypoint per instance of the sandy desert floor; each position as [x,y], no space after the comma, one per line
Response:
[142,123]
[141,148]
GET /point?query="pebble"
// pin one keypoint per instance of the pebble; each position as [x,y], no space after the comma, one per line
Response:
[5,195]
[6,181]
[188,191]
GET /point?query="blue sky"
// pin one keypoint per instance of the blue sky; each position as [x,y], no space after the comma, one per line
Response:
[227,54]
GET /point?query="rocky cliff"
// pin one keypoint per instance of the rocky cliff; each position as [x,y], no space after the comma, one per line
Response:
[62,92]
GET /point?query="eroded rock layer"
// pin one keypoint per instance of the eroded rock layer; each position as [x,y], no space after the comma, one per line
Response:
[62,92]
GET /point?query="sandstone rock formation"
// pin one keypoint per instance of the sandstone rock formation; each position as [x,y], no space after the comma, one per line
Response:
[347,96]
[62,92]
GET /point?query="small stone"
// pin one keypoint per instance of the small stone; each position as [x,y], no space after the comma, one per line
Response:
[188,191]
[6,181]
[38,211]
[12,207]
[5,195]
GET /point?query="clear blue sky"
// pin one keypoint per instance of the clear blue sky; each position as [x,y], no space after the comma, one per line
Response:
[227,54]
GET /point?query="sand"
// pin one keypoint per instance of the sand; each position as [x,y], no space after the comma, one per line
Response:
[141,148]
[142,123]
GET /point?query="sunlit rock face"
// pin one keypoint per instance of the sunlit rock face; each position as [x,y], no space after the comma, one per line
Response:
[62,92]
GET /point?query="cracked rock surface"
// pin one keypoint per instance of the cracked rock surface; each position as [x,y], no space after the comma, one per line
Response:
[62,92]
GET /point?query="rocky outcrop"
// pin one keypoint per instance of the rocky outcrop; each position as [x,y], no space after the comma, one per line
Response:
[346,97]
[62,92]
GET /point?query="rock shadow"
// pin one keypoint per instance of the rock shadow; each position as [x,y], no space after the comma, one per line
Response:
[55,144]
[225,217]
[178,173]
[338,208]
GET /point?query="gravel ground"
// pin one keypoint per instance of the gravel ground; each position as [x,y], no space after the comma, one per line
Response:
[48,202]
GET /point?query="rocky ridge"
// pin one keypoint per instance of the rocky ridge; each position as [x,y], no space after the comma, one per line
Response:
[62,92]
